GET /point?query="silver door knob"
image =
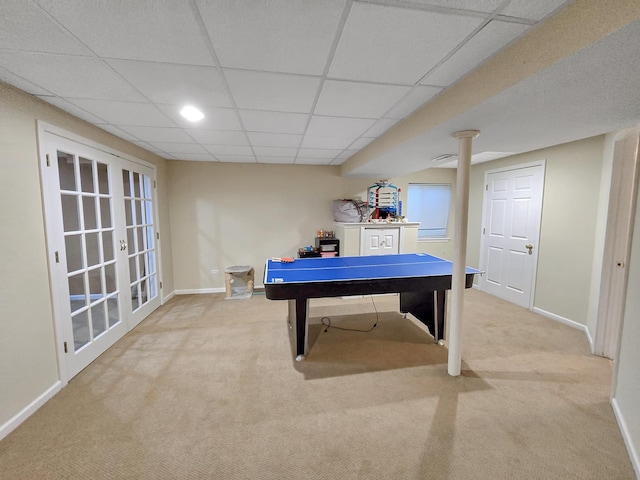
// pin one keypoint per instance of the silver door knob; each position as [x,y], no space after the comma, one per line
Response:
[123,245]
[529,246]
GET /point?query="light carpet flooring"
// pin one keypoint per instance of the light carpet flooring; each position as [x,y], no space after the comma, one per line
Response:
[208,388]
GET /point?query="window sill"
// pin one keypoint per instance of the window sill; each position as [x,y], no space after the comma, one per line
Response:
[434,240]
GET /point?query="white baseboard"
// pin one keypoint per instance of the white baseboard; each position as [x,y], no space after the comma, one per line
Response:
[592,345]
[633,454]
[13,423]
[560,319]
[196,291]
[168,297]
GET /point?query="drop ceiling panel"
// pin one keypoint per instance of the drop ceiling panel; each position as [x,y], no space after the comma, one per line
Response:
[272,91]
[293,36]
[532,10]
[119,133]
[262,139]
[214,118]
[157,134]
[125,113]
[229,149]
[175,84]
[396,45]
[275,122]
[158,32]
[275,151]
[346,154]
[313,161]
[485,43]
[380,127]
[72,109]
[70,75]
[318,153]
[196,157]
[236,158]
[484,6]
[151,148]
[276,160]
[216,137]
[361,142]
[31,29]
[179,148]
[338,143]
[412,101]
[353,99]
[320,126]
[22,83]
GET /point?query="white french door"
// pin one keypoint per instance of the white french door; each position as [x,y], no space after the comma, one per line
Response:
[140,245]
[510,232]
[101,243]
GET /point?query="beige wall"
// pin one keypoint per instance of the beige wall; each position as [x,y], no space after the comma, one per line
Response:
[225,214]
[569,223]
[28,363]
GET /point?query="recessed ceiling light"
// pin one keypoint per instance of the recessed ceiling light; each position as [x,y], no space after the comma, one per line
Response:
[191,113]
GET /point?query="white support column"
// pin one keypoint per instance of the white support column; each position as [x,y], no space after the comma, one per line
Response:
[465,139]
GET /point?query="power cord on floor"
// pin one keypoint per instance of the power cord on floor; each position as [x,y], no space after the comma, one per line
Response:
[328,324]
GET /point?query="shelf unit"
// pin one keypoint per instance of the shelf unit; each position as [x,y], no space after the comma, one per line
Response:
[327,246]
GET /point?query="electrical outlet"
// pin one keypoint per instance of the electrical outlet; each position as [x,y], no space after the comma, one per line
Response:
[214,271]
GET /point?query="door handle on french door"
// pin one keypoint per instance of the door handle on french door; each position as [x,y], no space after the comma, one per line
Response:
[123,245]
[529,247]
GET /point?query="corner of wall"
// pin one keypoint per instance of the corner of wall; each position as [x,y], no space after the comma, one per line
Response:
[600,235]
[627,437]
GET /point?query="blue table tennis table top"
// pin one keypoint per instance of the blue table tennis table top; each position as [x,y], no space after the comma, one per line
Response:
[329,269]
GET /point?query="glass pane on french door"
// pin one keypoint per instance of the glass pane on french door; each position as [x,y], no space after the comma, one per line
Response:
[141,238]
[86,195]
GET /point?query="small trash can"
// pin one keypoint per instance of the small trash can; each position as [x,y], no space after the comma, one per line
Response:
[238,281]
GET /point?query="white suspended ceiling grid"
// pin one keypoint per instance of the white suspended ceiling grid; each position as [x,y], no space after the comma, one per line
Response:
[279,81]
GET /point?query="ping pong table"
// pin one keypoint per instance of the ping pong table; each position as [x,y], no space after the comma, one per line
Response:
[421,280]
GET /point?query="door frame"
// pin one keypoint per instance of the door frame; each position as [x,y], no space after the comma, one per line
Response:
[623,189]
[43,130]
[483,258]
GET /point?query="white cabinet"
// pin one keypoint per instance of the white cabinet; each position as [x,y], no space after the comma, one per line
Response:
[377,238]
[380,241]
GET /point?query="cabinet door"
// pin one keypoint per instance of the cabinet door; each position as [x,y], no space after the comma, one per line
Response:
[380,241]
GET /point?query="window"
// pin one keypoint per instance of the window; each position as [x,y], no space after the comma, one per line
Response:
[429,204]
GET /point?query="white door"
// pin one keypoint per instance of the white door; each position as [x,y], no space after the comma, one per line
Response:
[510,231]
[138,189]
[89,253]
[381,241]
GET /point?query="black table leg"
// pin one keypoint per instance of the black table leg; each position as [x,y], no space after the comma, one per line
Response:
[440,310]
[298,309]
[428,308]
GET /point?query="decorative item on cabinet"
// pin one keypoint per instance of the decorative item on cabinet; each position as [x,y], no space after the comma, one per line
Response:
[383,200]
